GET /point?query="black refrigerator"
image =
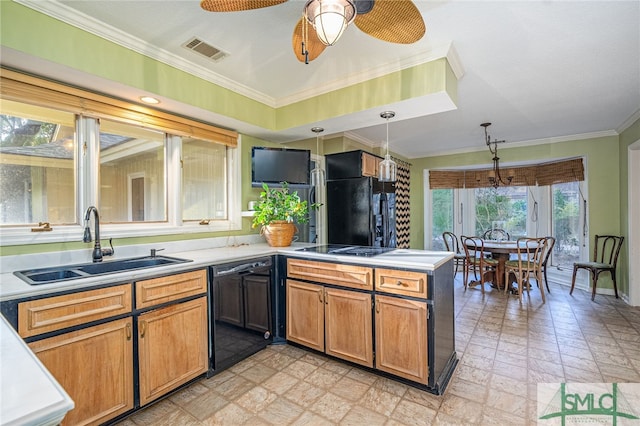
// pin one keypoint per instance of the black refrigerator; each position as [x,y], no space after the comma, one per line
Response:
[361,211]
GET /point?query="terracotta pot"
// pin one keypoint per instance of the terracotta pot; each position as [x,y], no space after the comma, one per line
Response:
[279,233]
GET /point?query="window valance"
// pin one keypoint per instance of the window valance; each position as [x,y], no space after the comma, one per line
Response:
[539,174]
[20,87]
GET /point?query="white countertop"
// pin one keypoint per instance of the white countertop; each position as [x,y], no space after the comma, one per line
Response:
[13,287]
[29,395]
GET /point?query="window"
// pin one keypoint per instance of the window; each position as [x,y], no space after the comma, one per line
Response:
[37,166]
[555,210]
[502,208]
[148,172]
[204,193]
[132,174]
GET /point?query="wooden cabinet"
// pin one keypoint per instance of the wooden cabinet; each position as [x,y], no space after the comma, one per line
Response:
[305,314]
[401,337]
[370,164]
[352,276]
[337,322]
[58,312]
[95,366]
[348,325]
[173,343]
[352,164]
[172,346]
[406,283]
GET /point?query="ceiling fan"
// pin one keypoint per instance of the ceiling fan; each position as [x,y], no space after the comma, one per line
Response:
[395,21]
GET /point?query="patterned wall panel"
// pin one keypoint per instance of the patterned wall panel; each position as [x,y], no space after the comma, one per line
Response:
[403,228]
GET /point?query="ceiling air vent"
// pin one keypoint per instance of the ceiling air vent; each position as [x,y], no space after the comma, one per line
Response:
[204,49]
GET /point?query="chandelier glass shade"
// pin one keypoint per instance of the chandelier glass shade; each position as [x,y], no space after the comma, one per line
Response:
[317,174]
[330,18]
[388,169]
[494,176]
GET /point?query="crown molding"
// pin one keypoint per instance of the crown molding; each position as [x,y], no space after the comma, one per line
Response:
[88,23]
[531,142]
[628,122]
[362,140]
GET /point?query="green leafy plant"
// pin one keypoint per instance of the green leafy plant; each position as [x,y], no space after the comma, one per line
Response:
[281,204]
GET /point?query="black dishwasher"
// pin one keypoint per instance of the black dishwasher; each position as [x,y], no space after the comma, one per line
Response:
[241,310]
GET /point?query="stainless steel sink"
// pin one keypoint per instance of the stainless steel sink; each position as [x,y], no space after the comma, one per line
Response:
[84,270]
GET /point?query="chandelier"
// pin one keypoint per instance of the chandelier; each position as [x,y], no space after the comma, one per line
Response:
[495,179]
[330,18]
[388,169]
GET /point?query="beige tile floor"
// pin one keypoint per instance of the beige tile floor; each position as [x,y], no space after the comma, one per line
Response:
[504,349]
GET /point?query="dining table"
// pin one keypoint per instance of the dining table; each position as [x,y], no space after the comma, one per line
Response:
[501,251]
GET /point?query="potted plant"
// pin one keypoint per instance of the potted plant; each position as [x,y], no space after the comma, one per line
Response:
[276,212]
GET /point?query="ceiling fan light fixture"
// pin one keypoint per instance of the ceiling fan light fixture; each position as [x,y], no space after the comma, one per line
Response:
[330,18]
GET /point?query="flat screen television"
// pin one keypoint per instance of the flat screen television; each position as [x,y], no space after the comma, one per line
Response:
[276,165]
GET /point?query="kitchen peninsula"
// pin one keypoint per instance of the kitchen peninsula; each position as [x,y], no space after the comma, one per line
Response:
[405,298]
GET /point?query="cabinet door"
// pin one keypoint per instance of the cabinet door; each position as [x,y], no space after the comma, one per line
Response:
[305,314]
[401,338]
[172,346]
[348,326]
[228,298]
[257,303]
[95,366]
[370,165]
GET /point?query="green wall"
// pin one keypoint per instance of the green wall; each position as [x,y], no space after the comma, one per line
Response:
[627,137]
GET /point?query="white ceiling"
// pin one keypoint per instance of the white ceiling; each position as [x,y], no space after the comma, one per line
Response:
[539,70]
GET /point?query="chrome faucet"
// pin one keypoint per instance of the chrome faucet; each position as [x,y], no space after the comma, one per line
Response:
[98,252]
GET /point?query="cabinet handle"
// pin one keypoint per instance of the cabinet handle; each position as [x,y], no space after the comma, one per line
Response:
[401,284]
[320,296]
[326,298]
[128,331]
[377,307]
[143,328]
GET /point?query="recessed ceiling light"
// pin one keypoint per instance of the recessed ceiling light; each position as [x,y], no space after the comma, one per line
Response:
[149,100]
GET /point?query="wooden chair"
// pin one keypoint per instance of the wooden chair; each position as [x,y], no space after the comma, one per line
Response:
[496,234]
[451,244]
[531,254]
[605,259]
[476,259]
[551,242]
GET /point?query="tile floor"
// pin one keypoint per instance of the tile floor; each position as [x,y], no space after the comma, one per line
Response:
[504,349]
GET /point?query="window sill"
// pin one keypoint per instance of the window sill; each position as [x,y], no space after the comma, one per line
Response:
[73,233]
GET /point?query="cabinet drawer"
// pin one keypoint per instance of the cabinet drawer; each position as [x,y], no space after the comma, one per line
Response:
[406,283]
[331,273]
[58,312]
[173,287]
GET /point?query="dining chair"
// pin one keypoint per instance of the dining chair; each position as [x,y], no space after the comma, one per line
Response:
[551,242]
[476,259]
[531,253]
[605,259]
[451,244]
[496,234]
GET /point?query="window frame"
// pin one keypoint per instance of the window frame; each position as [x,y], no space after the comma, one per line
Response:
[87,181]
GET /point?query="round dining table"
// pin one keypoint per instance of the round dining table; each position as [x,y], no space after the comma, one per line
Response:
[501,251]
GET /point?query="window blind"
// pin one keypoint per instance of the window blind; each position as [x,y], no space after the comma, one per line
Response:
[542,174]
[16,86]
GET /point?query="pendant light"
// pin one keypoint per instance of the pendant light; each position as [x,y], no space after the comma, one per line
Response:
[388,169]
[494,176]
[317,174]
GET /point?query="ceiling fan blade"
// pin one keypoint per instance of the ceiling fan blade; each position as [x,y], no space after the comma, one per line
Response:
[236,5]
[395,21]
[313,45]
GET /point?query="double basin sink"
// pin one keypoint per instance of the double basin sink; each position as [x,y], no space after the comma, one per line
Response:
[85,270]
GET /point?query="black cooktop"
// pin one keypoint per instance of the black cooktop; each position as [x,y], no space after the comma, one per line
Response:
[364,251]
